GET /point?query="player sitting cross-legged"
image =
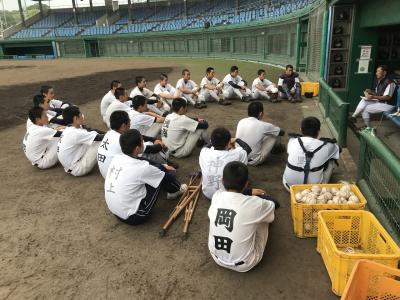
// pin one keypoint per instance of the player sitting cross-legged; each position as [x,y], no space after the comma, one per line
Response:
[54,118]
[289,85]
[264,89]
[109,97]
[235,86]
[54,104]
[239,221]
[166,92]
[77,148]
[181,133]
[190,91]
[133,184]
[110,147]
[40,142]
[119,103]
[213,159]
[211,88]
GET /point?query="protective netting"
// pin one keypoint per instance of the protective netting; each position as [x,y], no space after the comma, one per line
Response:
[314,42]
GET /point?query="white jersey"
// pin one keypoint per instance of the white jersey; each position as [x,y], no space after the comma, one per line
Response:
[114,106]
[141,121]
[125,182]
[159,89]
[212,163]
[186,84]
[142,92]
[297,158]
[106,101]
[252,131]
[55,103]
[265,83]
[50,115]
[237,80]
[234,219]
[175,130]
[205,81]
[109,147]
[36,142]
[73,145]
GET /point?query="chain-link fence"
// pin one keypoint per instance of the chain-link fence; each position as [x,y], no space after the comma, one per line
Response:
[379,177]
[314,42]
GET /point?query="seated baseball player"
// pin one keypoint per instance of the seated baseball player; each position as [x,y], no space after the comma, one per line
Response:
[77,148]
[235,86]
[153,103]
[40,142]
[239,223]
[310,160]
[190,91]
[133,184]
[54,104]
[109,97]
[109,146]
[54,118]
[181,133]
[119,103]
[213,159]
[166,92]
[211,88]
[377,101]
[289,85]
[259,135]
[263,88]
[147,122]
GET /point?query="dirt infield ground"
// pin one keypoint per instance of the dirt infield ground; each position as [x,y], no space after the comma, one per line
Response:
[58,239]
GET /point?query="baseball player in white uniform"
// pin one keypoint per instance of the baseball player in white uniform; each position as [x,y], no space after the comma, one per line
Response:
[259,135]
[190,91]
[54,119]
[211,88]
[148,123]
[133,184]
[166,92]
[213,159]
[181,133]
[119,103]
[239,223]
[310,160]
[110,147]
[263,88]
[235,86]
[153,103]
[379,101]
[40,142]
[109,97]
[54,104]
[77,148]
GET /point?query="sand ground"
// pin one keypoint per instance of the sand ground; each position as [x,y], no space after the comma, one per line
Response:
[58,239]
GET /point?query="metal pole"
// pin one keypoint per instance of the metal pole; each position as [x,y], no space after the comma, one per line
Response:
[41,8]
[237,7]
[4,13]
[129,11]
[185,8]
[75,12]
[21,13]
[323,43]
[91,5]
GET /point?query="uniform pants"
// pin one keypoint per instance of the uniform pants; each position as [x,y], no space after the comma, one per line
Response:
[230,92]
[154,130]
[169,183]
[192,99]
[210,95]
[159,111]
[160,157]
[258,94]
[50,157]
[87,162]
[190,143]
[367,107]
[257,254]
[289,92]
[268,143]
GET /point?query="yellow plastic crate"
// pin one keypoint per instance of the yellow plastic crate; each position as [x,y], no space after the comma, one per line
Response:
[309,87]
[345,236]
[370,280]
[305,216]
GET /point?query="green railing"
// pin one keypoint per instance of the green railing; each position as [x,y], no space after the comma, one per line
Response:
[335,111]
[378,179]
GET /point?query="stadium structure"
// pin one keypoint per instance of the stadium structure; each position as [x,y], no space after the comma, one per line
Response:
[338,43]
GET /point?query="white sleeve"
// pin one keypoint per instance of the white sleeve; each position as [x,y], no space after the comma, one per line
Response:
[157,89]
[203,82]
[296,79]
[47,133]
[179,84]
[189,124]
[267,211]
[269,129]
[280,81]
[133,93]
[141,120]
[194,84]
[152,176]
[389,90]
[56,103]
[86,137]
[334,151]
[227,78]
[267,82]
[241,153]
[147,93]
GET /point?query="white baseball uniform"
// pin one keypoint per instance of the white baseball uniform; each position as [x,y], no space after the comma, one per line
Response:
[145,124]
[238,229]
[210,95]
[54,103]
[191,86]
[149,95]
[297,158]
[114,106]
[159,89]
[125,182]
[106,101]
[50,115]
[212,163]
[260,136]
[77,150]
[180,135]
[261,94]
[231,92]
[40,146]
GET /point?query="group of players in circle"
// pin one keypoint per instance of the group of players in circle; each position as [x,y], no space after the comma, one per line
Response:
[147,128]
